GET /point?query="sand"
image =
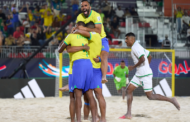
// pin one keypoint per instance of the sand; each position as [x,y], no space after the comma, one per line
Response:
[57,110]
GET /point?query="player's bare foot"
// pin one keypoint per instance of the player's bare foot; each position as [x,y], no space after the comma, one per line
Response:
[126,116]
[104,80]
[176,104]
[64,89]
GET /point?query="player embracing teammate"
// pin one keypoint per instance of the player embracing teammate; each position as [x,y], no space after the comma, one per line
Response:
[83,76]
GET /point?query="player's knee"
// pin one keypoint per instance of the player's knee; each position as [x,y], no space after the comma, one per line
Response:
[128,90]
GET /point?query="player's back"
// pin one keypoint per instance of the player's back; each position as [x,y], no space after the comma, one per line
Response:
[77,40]
[95,45]
[136,52]
[95,18]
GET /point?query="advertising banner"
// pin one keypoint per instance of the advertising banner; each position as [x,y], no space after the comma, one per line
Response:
[43,68]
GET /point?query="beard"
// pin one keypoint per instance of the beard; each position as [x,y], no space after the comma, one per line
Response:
[86,12]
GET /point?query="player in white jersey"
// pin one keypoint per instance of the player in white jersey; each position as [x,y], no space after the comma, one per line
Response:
[143,75]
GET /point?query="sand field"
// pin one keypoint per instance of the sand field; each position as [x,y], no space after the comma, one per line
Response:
[54,109]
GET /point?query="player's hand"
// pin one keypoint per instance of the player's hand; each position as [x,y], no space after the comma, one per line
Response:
[73,29]
[86,47]
[130,68]
[97,60]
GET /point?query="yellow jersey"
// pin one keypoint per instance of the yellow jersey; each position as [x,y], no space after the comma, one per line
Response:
[42,12]
[30,15]
[70,63]
[60,18]
[48,20]
[77,40]
[94,17]
[48,35]
[95,45]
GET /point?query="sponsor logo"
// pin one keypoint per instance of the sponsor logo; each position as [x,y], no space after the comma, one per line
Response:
[163,88]
[30,91]
[2,68]
[52,71]
[181,68]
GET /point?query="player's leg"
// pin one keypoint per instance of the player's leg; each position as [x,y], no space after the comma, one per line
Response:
[129,90]
[102,103]
[65,88]
[72,107]
[135,82]
[123,92]
[78,103]
[147,85]
[159,97]
[92,102]
[86,107]
[123,88]
[89,92]
[104,58]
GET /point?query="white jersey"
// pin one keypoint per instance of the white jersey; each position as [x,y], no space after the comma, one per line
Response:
[136,52]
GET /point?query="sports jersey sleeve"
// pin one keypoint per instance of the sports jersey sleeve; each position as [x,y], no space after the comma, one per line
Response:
[138,51]
[147,52]
[68,40]
[93,36]
[97,19]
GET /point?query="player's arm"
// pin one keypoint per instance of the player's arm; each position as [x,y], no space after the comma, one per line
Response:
[97,29]
[83,33]
[149,58]
[62,47]
[141,60]
[77,48]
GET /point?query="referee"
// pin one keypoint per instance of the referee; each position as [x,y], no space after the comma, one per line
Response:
[121,78]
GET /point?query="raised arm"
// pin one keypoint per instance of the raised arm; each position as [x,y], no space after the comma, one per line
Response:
[22,8]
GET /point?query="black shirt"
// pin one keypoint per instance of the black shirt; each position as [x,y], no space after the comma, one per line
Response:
[2,15]
[114,24]
[40,36]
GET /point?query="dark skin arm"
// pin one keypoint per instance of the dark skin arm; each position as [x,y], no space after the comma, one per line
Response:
[77,48]
[83,33]
[149,58]
[70,49]
[141,60]
[97,29]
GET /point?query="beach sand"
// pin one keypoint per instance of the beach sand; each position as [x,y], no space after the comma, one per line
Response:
[56,109]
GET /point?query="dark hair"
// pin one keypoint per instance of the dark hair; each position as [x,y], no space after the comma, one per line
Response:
[90,25]
[85,1]
[130,34]
[122,61]
[81,23]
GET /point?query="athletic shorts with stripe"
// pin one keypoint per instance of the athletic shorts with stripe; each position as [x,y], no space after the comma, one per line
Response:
[145,82]
[71,88]
[97,79]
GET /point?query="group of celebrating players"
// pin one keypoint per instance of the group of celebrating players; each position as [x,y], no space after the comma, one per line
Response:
[88,51]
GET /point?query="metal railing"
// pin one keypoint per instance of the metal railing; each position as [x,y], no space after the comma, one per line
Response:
[21,52]
[49,52]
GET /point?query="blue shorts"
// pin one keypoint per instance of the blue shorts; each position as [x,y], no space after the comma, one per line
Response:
[82,74]
[97,79]
[70,83]
[105,45]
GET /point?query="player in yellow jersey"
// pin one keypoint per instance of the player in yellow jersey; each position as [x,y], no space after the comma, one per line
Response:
[82,72]
[86,16]
[95,45]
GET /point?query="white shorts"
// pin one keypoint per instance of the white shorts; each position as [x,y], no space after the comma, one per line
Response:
[145,82]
